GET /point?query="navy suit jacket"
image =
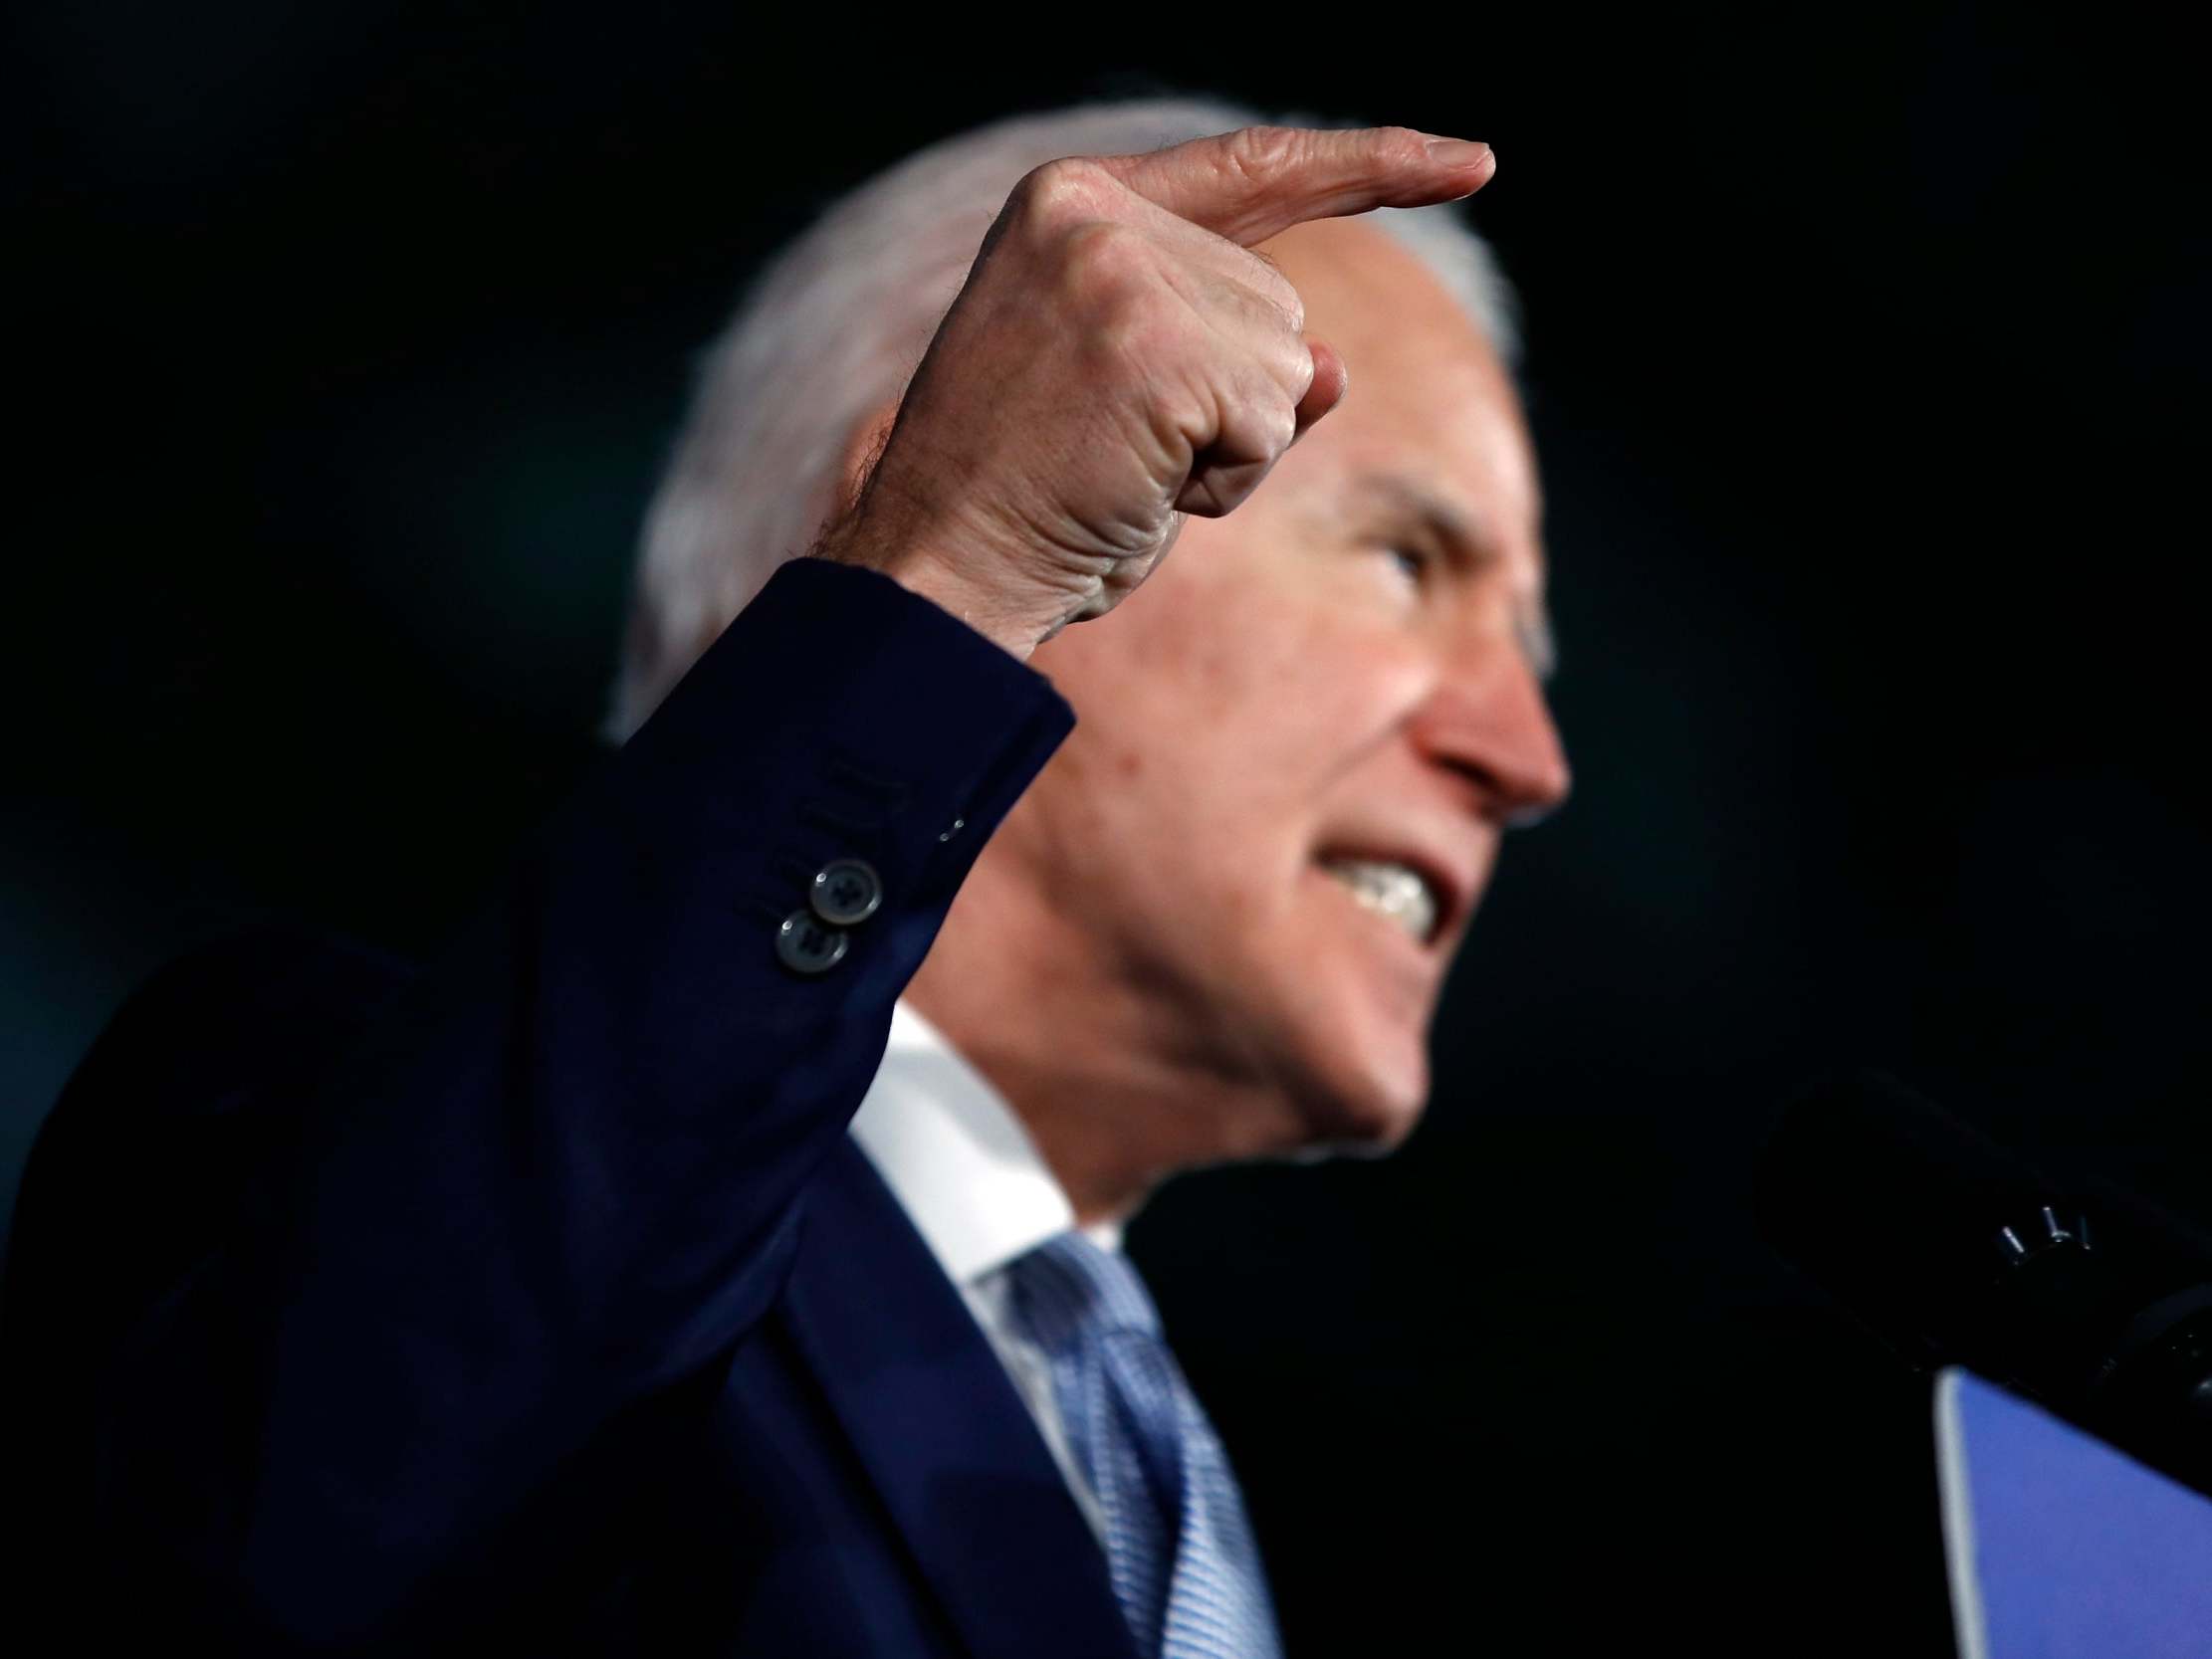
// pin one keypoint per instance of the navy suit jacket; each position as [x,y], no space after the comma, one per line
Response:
[540,1296]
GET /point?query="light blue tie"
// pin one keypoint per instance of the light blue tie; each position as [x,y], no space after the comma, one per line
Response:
[1178,1545]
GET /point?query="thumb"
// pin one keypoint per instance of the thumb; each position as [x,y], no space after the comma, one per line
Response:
[1330,381]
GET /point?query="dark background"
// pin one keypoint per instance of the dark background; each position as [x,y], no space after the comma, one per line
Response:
[1867,363]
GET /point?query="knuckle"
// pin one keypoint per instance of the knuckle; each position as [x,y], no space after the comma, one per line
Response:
[1285,362]
[1259,155]
[1071,187]
[1106,246]
[1257,418]
[1106,264]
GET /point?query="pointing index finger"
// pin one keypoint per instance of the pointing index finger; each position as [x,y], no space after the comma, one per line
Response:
[1258,182]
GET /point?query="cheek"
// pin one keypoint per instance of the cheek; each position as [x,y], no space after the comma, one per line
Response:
[1217,708]
[1303,694]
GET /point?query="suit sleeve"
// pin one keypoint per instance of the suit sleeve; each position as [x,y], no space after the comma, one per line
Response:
[566,1170]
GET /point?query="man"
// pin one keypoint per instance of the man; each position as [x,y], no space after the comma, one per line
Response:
[548,1299]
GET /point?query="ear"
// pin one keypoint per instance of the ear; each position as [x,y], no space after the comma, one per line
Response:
[863,448]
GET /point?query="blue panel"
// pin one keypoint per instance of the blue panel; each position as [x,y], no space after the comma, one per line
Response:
[2061,1547]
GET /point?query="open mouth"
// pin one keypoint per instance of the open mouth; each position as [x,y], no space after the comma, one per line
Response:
[1396,892]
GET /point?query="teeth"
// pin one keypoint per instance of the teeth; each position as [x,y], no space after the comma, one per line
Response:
[1389,889]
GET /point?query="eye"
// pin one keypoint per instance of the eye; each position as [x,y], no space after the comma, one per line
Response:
[1412,560]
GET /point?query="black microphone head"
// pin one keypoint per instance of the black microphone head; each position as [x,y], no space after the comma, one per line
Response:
[1953,1248]
[1959,1252]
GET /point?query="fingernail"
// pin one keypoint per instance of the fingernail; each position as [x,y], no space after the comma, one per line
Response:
[1457,152]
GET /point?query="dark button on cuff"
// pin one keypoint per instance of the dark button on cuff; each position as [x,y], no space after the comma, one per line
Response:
[805,945]
[847,891]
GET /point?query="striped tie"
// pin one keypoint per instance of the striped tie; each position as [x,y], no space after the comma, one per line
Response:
[1178,1545]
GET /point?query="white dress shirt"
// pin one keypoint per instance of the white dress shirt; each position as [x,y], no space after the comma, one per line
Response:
[958,1159]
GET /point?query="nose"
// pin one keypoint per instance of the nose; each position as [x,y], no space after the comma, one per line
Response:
[1487,720]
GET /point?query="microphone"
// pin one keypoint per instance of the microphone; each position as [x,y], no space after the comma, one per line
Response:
[1956,1251]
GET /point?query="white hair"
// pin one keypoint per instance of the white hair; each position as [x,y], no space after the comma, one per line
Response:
[834,327]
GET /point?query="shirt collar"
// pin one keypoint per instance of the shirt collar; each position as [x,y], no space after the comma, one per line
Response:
[957,1156]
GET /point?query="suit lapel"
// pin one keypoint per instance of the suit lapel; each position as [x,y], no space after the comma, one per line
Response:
[937,1421]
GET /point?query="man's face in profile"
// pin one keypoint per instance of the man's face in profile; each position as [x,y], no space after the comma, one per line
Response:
[1299,744]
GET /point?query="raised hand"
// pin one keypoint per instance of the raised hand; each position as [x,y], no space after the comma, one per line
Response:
[1118,357]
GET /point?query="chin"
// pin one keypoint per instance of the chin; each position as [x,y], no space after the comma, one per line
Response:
[1366,1110]
[1349,1003]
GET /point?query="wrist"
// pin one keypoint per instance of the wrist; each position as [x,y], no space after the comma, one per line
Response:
[923,571]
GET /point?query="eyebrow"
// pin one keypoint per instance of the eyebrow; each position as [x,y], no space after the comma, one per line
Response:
[1437,516]
[1476,542]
